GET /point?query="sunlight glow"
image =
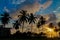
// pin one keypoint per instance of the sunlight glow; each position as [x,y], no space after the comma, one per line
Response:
[49,32]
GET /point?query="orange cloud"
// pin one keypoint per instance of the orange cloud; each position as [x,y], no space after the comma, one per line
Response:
[32,8]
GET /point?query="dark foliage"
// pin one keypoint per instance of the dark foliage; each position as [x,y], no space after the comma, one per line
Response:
[51,25]
[41,22]
[4,32]
[59,24]
[22,18]
[31,19]
[5,19]
[16,25]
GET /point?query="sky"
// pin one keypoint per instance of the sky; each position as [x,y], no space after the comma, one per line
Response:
[13,5]
[34,6]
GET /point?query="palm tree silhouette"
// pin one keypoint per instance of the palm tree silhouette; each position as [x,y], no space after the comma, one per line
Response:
[31,20]
[23,18]
[51,25]
[59,24]
[57,29]
[41,21]
[5,19]
[38,24]
[16,25]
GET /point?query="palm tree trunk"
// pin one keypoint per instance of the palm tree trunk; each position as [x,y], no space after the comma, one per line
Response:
[31,26]
[22,26]
[3,25]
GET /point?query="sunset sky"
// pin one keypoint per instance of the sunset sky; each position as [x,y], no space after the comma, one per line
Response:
[32,6]
[13,7]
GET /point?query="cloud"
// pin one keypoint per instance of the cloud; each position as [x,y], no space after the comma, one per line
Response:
[5,9]
[32,8]
[58,8]
[54,11]
[58,17]
[17,1]
[46,4]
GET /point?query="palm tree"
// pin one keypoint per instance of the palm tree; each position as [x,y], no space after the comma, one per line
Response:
[23,18]
[5,19]
[16,25]
[59,24]
[31,20]
[38,24]
[41,22]
[51,25]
